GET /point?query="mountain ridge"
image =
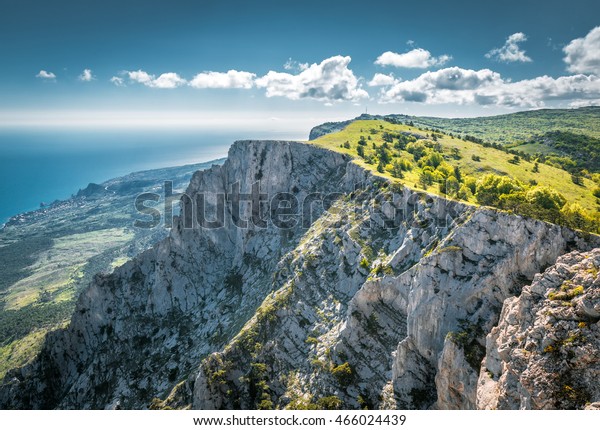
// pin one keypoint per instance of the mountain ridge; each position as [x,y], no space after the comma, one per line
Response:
[280,317]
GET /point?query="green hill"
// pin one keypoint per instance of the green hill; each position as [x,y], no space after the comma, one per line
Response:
[571,151]
[519,126]
[444,164]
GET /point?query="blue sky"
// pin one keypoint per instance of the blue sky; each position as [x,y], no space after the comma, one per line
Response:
[198,62]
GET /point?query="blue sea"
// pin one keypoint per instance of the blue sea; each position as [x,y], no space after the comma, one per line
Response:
[45,165]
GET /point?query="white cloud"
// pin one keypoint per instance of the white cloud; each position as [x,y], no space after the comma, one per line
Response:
[140,77]
[583,54]
[382,80]
[486,87]
[329,81]
[231,79]
[45,75]
[86,75]
[510,52]
[583,103]
[168,80]
[417,58]
[294,65]
[118,81]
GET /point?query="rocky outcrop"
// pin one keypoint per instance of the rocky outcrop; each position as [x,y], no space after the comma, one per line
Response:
[427,282]
[371,295]
[545,352]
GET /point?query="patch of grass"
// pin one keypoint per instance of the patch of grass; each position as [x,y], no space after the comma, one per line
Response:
[566,294]
[21,351]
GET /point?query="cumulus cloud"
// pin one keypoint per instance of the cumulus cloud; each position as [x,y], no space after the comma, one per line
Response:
[168,80]
[510,52]
[486,87]
[417,58]
[231,79]
[382,80]
[86,75]
[329,81]
[45,75]
[583,54]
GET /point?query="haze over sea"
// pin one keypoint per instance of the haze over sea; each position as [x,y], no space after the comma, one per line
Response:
[45,165]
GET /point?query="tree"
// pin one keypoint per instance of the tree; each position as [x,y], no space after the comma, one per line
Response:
[360,150]
[575,217]
[457,173]
[471,183]
[546,198]
[383,155]
[426,178]
[417,149]
[397,170]
[464,193]
[452,186]
[536,167]
[491,187]
[362,140]
[434,160]
[387,137]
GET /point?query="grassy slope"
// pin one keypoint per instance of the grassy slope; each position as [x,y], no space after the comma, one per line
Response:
[492,160]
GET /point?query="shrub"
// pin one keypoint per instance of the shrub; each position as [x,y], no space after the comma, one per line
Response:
[364,263]
[343,373]
[329,403]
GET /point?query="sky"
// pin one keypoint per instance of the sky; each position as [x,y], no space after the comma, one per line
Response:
[142,63]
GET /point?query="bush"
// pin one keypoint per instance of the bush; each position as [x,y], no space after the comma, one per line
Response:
[329,403]
[417,149]
[343,373]
[364,263]
[545,198]
[491,187]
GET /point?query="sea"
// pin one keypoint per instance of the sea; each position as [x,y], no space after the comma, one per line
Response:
[39,166]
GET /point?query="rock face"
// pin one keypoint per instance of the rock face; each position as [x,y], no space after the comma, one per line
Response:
[545,352]
[374,296]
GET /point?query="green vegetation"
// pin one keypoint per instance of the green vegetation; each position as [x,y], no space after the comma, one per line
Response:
[323,403]
[343,373]
[467,336]
[473,171]
[567,291]
[570,151]
[513,127]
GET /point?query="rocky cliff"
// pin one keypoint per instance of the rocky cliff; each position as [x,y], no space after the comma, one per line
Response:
[342,291]
[545,352]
